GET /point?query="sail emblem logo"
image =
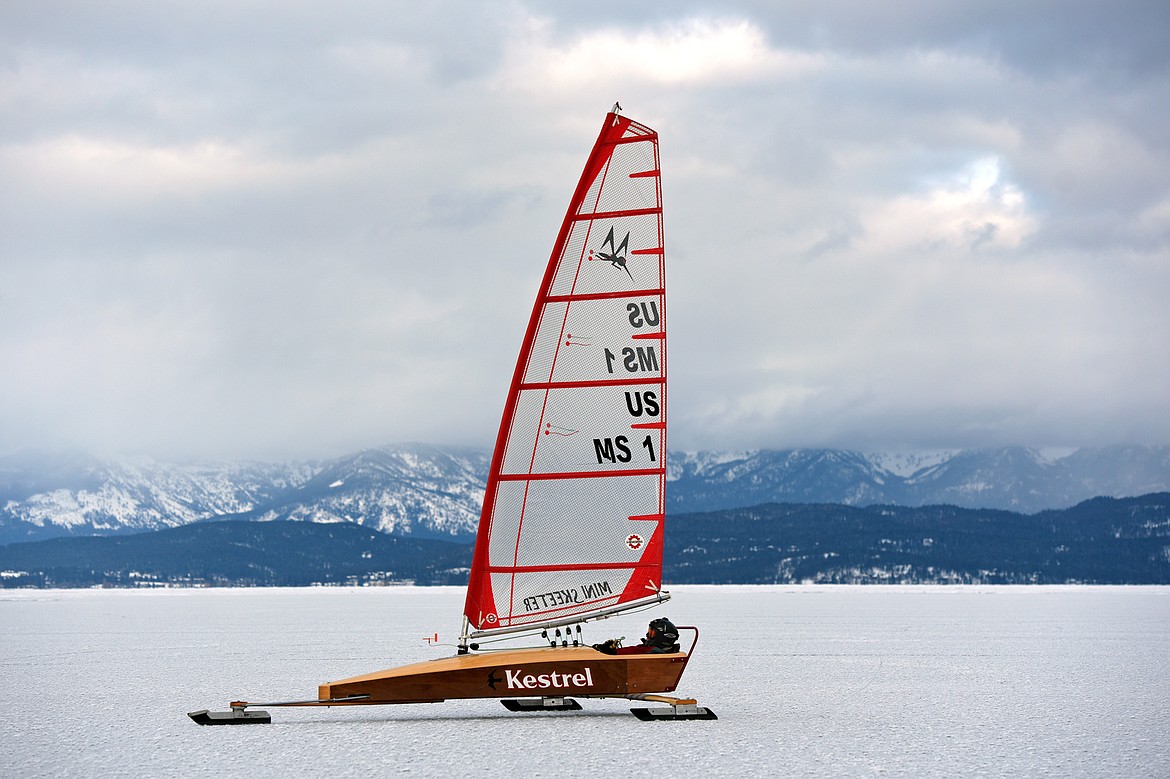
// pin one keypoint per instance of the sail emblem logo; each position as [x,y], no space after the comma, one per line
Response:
[634,541]
[616,256]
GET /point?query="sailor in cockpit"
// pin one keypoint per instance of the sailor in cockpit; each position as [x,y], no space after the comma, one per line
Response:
[661,638]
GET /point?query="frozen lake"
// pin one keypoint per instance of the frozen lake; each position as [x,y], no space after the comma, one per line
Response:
[806,680]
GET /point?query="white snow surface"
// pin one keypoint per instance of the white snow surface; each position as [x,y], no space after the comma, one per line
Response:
[806,680]
[906,464]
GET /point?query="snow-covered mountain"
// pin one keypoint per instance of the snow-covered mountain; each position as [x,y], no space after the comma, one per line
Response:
[409,489]
[1013,478]
[435,491]
[415,490]
[44,495]
[702,481]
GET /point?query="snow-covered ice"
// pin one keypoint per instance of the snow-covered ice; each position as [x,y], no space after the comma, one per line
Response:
[807,681]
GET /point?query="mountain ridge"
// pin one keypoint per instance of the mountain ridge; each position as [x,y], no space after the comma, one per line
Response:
[431,491]
[1100,541]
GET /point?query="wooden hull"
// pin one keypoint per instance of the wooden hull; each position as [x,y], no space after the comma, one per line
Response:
[550,672]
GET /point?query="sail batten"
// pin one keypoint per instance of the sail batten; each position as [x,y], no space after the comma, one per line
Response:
[573,512]
[598,215]
[560,567]
[595,383]
[608,295]
[534,476]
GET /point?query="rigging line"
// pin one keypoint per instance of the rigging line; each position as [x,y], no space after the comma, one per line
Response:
[509,637]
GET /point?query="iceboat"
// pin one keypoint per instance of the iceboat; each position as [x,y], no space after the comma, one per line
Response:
[574,511]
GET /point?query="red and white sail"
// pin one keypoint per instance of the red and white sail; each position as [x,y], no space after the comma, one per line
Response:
[572,520]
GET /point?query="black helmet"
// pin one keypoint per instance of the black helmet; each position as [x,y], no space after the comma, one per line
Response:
[662,634]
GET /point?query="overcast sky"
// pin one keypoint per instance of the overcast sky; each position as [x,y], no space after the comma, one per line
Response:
[290,229]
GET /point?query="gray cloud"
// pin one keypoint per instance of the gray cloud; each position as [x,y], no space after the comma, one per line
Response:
[275,230]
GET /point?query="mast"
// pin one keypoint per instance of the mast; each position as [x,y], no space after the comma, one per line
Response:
[573,514]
